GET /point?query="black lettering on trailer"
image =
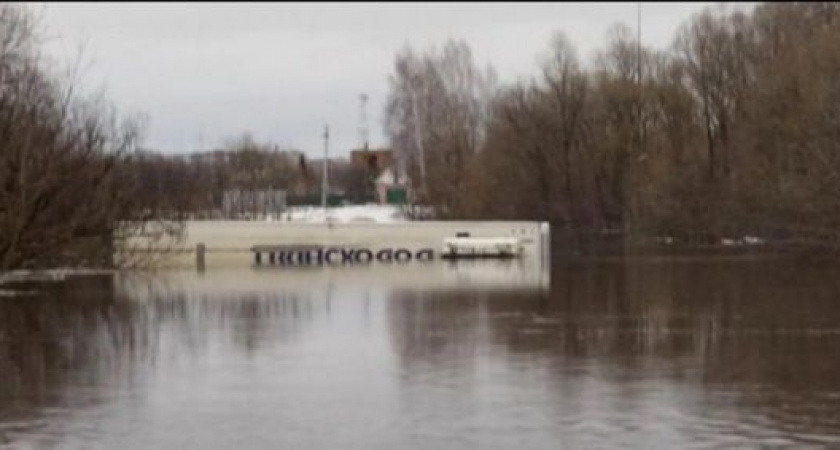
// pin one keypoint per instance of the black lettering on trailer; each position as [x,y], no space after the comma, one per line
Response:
[319,256]
[385,255]
[368,256]
[425,254]
[402,255]
[329,253]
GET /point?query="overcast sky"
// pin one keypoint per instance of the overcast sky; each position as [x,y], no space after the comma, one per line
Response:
[203,73]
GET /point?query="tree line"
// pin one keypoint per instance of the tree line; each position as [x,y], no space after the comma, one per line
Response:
[75,184]
[733,130]
[194,185]
[65,196]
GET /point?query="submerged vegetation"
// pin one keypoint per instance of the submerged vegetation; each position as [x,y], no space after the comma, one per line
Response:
[732,131]
[68,193]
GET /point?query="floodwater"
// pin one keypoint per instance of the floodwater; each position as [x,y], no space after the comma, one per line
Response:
[645,353]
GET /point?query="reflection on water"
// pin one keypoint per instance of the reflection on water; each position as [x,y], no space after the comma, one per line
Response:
[646,353]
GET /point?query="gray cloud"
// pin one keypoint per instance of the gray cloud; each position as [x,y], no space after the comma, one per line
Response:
[205,72]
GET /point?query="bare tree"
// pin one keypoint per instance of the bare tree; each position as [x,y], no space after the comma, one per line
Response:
[435,119]
[62,201]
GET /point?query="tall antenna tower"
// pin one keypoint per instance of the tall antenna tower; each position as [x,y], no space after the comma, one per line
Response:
[363,125]
[325,183]
[639,68]
[639,40]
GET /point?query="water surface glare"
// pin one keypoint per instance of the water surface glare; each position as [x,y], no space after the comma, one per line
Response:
[643,353]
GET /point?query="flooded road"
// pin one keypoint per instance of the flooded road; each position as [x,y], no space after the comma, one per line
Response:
[645,353]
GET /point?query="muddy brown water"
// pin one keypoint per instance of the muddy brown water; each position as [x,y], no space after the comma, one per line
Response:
[639,353]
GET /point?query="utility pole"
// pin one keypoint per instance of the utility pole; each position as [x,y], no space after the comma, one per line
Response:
[325,179]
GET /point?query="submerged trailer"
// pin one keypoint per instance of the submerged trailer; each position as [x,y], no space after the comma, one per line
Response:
[241,243]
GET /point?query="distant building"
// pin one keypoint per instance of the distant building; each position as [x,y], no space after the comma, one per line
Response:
[389,182]
[373,160]
[392,187]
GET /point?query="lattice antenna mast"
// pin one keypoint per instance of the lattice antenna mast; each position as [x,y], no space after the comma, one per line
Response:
[363,123]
